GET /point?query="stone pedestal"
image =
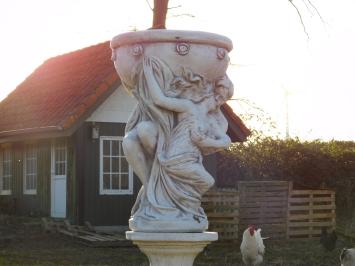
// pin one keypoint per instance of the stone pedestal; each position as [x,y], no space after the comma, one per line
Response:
[171,249]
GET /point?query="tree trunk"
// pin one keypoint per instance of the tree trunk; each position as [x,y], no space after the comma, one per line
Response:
[159,14]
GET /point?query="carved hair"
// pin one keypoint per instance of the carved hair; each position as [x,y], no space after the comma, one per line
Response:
[190,86]
[224,88]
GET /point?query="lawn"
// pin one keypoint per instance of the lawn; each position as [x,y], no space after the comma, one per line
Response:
[28,245]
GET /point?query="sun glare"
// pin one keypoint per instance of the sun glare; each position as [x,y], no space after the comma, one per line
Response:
[271,51]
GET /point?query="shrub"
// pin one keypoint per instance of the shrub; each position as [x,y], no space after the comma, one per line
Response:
[309,164]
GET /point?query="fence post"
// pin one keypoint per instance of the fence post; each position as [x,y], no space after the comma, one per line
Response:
[290,187]
[310,214]
[333,210]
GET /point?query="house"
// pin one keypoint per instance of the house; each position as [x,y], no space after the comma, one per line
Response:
[61,131]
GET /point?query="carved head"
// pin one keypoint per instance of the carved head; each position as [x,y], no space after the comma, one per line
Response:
[190,86]
[223,90]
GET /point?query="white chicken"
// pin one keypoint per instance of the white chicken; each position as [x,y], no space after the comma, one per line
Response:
[347,257]
[252,247]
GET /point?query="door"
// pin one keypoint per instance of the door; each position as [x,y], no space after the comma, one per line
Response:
[59,180]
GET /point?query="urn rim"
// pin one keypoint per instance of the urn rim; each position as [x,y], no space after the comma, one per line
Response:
[173,36]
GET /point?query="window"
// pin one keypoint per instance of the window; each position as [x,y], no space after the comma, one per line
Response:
[116,176]
[5,172]
[60,161]
[30,170]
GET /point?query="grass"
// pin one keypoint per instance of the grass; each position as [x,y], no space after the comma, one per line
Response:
[28,245]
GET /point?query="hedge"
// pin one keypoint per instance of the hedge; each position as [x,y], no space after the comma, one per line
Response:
[309,164]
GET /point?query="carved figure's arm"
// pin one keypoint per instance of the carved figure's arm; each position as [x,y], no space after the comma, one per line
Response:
[204,141]
[170,103]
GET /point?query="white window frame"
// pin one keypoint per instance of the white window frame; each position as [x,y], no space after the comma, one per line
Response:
[2,175]
[103,191]
[25,190]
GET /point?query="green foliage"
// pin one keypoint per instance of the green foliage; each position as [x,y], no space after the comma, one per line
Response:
[309,164]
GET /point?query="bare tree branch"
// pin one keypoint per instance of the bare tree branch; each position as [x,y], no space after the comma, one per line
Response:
[151,8]
[316,9]
[308,8]
[180,15]
[300,17]
[174,7]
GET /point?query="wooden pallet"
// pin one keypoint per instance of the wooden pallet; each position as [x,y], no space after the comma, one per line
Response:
[310,211]
[87,234]
[221,207]
[264,204]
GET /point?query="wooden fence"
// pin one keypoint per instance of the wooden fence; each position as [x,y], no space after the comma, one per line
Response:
[309,211]
[221,207]
[281,212]
[264,204]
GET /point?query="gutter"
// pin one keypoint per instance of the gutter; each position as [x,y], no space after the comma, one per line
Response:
[30,130]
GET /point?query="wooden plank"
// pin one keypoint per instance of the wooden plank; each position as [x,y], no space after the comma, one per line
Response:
[262,183]
[262,198]
[313,216]
[221,208]
[257,220]
[305,232]
[313,207]
[268,194]
[262,204]
[306,200]
[313,224]
[307,192]
[261,189]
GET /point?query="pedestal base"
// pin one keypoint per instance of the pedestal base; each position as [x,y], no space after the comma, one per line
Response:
[171,249]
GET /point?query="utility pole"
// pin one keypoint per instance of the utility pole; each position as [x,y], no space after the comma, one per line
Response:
[287,93]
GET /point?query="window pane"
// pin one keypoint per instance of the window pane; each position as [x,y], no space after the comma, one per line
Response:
[7,168]
[31,168]
[106,180]
[115,181]
[106,147]
[56,171]
[107,168]
[115,168]
[57,155]
[124,165]
[60,168]
[124,181]
[115,165]
[6,183]
[121,149]
[34,165]
[28,182]
[34,182]
[115,147]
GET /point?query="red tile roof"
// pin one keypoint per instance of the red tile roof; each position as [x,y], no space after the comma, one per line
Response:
[59,92]
[66,88]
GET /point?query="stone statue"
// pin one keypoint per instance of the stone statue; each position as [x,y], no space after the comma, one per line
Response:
[177,120]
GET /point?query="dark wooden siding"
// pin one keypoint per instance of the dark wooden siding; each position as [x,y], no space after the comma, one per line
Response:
[93,207]
[72,207]
[39,204]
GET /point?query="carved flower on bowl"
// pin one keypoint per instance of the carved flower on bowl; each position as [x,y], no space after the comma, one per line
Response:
[221,53]
[182,48]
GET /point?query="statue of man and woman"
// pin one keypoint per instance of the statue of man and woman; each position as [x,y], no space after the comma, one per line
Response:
[177,120]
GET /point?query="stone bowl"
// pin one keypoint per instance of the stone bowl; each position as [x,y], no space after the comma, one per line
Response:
[204,53]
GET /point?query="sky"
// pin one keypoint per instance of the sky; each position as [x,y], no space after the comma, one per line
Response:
[272,56]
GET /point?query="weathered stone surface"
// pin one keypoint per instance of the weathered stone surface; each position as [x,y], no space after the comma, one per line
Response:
[179,81]
[171,249]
